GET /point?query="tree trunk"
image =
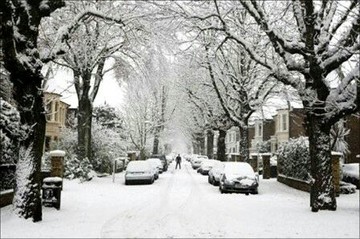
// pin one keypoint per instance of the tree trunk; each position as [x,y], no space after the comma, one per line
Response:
[29,98]
[84,128]
[221,146]
[244,144]
[142,155]
[201,141]
[156,142]
[195,145]
[322,195]
[210,144]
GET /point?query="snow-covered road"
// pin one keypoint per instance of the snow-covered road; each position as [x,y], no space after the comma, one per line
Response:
[182,204]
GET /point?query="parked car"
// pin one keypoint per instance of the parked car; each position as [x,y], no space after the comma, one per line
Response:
[196,160]
[215,172]
[206,165]
[157,165]
[139,170]
[239,177]
[162,159]
[169,158]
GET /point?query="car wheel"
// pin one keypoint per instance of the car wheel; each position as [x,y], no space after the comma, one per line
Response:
[255,191]
[246,194]
[126,182]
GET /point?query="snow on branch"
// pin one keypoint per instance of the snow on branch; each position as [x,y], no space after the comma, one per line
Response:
[65,31]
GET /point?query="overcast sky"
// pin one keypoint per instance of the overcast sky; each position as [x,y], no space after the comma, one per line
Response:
[109,91]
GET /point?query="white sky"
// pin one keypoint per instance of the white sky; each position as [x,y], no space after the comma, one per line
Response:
[182,204]
[109,91]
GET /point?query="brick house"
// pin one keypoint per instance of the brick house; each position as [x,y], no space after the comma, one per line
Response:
[56,115]
[287,124]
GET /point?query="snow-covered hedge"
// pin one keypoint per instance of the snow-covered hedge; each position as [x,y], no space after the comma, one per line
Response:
[350,173]
[293,158]
[11,132]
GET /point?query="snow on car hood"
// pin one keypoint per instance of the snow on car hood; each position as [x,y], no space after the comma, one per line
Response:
[240,178]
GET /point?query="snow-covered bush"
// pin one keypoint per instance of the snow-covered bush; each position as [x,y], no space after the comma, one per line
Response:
[350,173]
[293,158]
[75,168]
[263,146]
[107,144]
[11,132]
[347,188]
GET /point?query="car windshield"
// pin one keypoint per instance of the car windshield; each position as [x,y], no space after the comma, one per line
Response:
[239,169]
[138,166]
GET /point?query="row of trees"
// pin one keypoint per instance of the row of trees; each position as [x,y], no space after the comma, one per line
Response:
[253,47]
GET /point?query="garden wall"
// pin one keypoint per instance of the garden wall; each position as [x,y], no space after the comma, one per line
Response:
[294,183]
[6,197]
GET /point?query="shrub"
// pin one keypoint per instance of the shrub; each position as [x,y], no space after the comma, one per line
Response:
[294,158]
[75,168]
[263,146]
[107,144]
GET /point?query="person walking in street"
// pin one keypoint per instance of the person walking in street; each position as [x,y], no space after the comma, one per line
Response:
[178,161]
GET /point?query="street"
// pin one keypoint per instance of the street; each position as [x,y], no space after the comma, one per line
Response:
[181,204]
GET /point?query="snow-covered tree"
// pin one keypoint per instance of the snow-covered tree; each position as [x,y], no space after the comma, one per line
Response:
[20,22]
[87,49]
[304,43]
[241,88]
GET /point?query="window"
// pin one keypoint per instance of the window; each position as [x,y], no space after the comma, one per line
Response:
[56,111]
[48,111]
[259,129]
[284,122]
[237,136]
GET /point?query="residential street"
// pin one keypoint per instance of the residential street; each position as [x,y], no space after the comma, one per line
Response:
[182,204]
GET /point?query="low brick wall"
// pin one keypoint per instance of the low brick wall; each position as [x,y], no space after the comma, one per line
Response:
[294,182]
[6,197]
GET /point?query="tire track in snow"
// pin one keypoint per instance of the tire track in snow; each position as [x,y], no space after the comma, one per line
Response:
[180,209]
[128,223]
